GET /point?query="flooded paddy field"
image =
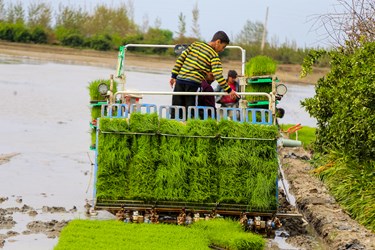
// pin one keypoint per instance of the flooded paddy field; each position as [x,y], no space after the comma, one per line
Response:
[46,171]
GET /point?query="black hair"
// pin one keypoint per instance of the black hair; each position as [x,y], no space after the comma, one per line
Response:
[222,36]
[232,73]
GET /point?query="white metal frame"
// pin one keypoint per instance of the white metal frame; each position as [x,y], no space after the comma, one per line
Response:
[121,75]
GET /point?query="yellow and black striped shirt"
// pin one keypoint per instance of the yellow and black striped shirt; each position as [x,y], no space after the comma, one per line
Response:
[198,60]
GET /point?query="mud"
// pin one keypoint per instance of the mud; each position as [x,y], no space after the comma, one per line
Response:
[319,208]
[50,228]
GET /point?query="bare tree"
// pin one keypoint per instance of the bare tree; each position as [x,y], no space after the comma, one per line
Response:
[251,33]
[70,18]
[106,20]
[195,27]
[274,43]
[157,24]
[130,8]
[351,24]
[2,11]
[181,25]
[145,23]
[16,13]
[39,15]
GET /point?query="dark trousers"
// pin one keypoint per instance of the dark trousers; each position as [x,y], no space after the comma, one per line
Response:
[184,100]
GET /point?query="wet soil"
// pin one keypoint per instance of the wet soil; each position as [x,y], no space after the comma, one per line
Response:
[319,208]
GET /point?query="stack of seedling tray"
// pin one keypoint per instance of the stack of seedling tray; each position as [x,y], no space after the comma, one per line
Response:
[96,102]
[146,161]
[259,71]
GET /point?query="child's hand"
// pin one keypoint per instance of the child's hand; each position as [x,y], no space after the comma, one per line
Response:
[233,94]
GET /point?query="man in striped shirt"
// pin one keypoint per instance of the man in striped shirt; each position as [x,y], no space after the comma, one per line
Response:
[194,64]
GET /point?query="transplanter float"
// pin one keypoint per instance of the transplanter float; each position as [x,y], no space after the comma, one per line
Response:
[150,168]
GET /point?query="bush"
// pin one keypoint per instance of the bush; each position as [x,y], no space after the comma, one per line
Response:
[344,103]
[137,38]
[73,40]
[22,35]
[7,32]
[158,36]
[39,35]
[102,43]
[14,33]
[345,137]
[134,39]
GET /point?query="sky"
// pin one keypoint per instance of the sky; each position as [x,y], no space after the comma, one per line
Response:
[288,20]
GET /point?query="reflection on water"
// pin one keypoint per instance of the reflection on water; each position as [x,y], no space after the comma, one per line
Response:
[291,102]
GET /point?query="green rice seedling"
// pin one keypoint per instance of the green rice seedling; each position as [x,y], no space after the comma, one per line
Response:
[241,162]
[113,159]
[259,66]
[198,153]
[258,87]
[110,234]
[114,125]
[94,92]
[228,234]
[95,96]
[172,171]
[145,152]
[95,112]
[166,160]
[93,138]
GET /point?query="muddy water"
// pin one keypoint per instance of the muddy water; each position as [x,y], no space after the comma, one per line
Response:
[45,118]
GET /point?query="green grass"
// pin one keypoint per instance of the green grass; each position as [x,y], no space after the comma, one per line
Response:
[306,134]
[110,234]
[353,185]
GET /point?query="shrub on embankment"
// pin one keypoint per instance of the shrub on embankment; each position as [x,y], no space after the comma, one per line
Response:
[344,106]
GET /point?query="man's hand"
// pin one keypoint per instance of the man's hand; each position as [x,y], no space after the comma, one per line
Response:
[172,82]
[233,94]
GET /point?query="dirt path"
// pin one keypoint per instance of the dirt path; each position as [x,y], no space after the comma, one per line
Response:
[286,73]
[320,209]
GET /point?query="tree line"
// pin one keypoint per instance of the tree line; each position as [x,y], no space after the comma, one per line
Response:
[100,30]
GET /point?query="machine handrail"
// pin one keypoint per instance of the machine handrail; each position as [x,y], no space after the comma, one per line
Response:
[243,52]
[128,92]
